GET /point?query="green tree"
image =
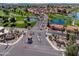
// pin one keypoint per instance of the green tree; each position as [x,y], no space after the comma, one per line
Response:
[13,25]
[13,20]
[5,19]
[72,50]
[6,12]
[5,24]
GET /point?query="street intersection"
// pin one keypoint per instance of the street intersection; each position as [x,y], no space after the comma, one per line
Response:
[21,48]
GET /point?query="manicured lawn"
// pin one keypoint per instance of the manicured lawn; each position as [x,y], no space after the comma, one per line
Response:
[68,20]
[1,24]
[1,13]
[75,10]
[20,24]
[32,23]
[56,16]
[77,22]
[19,19]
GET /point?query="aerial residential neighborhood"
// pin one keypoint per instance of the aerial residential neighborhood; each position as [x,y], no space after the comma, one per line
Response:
[28,29]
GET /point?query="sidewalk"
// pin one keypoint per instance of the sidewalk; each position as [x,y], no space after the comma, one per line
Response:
[13,42]
[53,46]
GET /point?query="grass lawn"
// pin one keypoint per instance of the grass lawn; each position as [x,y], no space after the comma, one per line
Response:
[20,24]
[77,22]
[1,24]
[19,19]
[68,20]
[56,16]
[32,23]
[1,13]
[75,10]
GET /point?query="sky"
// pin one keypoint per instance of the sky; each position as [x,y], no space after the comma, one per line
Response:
[39,1]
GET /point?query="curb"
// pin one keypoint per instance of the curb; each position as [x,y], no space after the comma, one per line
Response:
[54,46]
[14,42]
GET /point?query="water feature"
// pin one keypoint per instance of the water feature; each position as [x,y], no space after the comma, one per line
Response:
[33,19]
[57,21]
[30,19]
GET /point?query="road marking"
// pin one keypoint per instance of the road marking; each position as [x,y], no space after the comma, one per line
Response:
[39,39]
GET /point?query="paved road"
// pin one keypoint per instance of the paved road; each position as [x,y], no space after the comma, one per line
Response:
[36,49]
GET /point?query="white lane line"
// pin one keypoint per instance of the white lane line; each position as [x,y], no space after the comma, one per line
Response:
[39,39]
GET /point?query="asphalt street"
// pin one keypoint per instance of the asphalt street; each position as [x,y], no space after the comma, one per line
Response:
[42,48]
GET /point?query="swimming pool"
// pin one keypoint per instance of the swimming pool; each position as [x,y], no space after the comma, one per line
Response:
[57,21]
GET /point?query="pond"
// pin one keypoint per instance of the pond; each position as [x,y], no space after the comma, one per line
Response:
[57,21]
[33,19]
[30,19]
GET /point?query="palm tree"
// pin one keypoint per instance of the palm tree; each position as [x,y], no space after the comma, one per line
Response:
[72,50]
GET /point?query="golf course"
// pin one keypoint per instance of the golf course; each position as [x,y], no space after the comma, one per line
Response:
[19,15]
